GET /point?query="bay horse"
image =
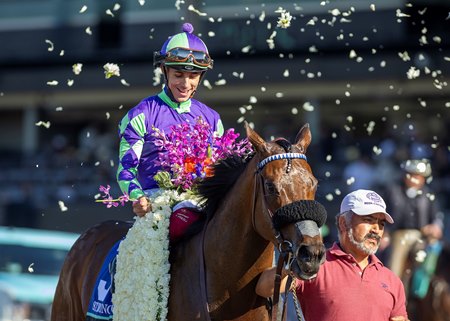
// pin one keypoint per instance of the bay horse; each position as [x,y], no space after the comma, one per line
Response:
[252,205]
[435,305]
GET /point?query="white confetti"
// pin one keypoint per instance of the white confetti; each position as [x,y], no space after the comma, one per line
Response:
[52,83]
[59,108]
[246,49]
[70,82]
[253,100]
[108,115]
[284,21]
[141,2]
[111,70]
[413,73]
[51,46]
[220,82]
[404,55]
[311,22]
[192,8]
[207,84]
[308,107]
[400,14]
[335,12]
[88,31]
[30,268]
[62,206]
[45,124]
[124,82]
[76,68]
[116,6]
[372,7]
[83,9]
[109,12]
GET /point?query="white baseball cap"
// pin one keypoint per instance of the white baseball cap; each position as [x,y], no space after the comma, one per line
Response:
[365,202]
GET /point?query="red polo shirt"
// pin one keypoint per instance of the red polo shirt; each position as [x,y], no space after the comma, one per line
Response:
[343,292]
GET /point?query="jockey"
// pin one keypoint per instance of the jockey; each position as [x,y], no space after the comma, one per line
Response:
[418,215]
[184,60]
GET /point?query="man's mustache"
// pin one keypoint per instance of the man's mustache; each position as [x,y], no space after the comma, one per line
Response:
[373,236]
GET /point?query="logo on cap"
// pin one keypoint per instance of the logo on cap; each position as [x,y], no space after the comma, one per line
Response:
[374,197]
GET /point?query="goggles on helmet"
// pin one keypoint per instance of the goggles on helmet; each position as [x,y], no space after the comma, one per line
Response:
[198,58]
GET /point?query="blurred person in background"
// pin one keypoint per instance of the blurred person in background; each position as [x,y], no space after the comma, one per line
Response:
[418,216]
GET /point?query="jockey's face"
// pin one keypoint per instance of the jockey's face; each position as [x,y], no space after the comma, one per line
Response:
[182,84]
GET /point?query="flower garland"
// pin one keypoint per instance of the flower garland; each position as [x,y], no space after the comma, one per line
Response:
[142,272]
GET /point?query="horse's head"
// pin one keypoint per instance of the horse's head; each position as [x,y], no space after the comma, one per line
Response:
[290,216]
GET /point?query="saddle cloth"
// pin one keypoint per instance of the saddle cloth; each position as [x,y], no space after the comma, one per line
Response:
[100,305]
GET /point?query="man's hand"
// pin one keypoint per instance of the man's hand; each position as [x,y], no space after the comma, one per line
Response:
[142,206]
[432,231]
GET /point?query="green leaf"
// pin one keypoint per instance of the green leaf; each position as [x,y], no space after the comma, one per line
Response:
[163,179]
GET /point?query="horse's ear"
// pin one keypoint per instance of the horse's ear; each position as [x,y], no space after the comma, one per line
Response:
[257,142]
[303,138]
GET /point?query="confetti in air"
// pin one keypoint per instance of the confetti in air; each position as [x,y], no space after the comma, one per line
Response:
[413,73]
[284,21]
[76,68]
[45,124]
[83,9]
[30,268]
[51,46]
[62,206]
[111,70]
[192,8]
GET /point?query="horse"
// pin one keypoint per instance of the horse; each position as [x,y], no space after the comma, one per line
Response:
[434,305]
[253,204]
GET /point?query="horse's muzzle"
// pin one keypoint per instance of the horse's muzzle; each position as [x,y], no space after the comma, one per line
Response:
[307,261]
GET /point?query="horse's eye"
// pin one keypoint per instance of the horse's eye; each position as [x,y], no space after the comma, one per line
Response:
[270,188]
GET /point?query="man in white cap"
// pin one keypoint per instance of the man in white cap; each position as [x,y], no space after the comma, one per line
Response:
[353,284]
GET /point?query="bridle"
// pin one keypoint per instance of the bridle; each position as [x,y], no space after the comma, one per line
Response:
[286,255]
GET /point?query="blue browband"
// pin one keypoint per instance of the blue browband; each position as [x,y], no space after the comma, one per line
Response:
[264,162]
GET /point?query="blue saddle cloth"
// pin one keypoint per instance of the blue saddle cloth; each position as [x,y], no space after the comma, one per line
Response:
[100,305]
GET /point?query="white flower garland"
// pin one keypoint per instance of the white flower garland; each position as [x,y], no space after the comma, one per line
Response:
[142,274]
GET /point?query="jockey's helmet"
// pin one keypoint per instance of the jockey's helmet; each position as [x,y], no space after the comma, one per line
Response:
[184,51]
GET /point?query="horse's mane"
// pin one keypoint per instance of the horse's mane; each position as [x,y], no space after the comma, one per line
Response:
[214,188]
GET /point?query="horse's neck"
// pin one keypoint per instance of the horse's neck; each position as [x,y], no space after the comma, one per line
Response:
[231,242]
